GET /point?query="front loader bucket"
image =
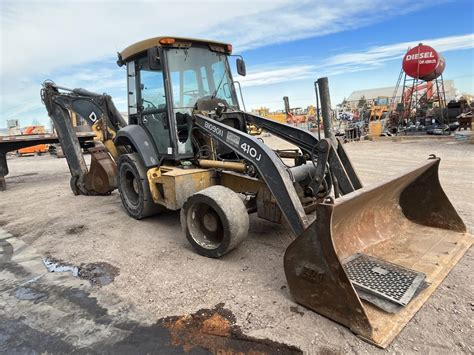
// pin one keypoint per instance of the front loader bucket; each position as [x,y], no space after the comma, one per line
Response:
[374,256]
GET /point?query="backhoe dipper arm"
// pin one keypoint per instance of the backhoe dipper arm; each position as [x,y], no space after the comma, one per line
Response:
[268,164]
[100,113]
[67,138]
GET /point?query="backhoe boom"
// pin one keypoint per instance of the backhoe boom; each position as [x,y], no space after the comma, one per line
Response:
[104,119]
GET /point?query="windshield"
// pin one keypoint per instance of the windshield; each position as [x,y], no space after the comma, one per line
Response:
[197,72]
[382,101]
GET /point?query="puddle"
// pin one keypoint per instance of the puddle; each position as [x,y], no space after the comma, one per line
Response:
[53,265]
[98,274]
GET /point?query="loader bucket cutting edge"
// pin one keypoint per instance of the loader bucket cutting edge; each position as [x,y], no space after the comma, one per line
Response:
[407,221]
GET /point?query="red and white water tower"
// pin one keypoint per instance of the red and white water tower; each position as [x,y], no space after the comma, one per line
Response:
[422,72]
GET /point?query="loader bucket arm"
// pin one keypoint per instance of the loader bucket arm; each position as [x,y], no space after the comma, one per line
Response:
[407,221]
[265,160]
[297,136]
[339,161]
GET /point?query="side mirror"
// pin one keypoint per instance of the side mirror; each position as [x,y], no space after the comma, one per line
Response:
[241,67]
[154,61]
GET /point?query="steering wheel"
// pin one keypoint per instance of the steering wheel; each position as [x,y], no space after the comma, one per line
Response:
[149,102]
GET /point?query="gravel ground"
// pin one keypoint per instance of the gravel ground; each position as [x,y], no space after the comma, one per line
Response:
[160,275]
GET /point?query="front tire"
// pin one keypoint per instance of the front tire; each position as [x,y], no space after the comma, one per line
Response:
[134,189]
[215,221]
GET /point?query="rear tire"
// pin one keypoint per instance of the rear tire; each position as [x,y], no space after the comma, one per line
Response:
[215,221]
[134,189]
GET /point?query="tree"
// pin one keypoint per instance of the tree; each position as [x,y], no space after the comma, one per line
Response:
[362,102]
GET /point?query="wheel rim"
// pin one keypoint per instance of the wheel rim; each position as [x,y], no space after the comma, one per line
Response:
[131,187]
[205,226]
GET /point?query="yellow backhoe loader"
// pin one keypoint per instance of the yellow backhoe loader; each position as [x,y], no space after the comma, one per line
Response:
[377,112]
[366,257]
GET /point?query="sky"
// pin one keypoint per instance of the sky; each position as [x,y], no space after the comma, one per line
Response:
[286,44]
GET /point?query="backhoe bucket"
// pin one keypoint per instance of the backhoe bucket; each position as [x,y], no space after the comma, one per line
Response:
[374,256]
[102,177]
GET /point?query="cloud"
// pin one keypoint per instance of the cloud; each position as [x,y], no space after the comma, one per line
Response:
[375,56]
[40,36]
[306,18]
[272,76]
[73,42]
[371,58]
[23,100]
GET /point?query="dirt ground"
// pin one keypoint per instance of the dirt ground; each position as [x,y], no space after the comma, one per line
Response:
[159,275]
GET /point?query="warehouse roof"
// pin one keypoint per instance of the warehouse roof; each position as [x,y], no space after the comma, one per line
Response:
[371,94]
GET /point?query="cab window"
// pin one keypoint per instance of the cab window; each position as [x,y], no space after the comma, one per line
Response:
[152,88]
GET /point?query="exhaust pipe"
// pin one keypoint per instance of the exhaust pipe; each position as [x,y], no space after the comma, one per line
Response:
[323,85]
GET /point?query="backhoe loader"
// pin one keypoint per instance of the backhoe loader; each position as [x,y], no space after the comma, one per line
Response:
[366,257]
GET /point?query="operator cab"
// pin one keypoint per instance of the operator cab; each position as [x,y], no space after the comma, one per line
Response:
[167,79]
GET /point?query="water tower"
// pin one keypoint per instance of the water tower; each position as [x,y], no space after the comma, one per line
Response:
[423,86]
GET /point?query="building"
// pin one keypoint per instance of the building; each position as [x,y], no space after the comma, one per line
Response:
[372,94]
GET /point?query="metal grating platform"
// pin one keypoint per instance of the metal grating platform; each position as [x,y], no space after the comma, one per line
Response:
[383,279]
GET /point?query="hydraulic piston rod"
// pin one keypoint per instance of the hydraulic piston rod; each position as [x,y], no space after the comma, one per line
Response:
[227,165]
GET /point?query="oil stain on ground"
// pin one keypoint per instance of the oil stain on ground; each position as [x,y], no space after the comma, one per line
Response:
[30,294]
[99,274]
[208,331]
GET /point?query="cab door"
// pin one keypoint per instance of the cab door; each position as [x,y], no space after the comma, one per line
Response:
[147,104]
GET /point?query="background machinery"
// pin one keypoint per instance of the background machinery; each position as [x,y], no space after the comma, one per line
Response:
[291,116]
[36,149]
[377,113]
[367,258]
[279,116]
